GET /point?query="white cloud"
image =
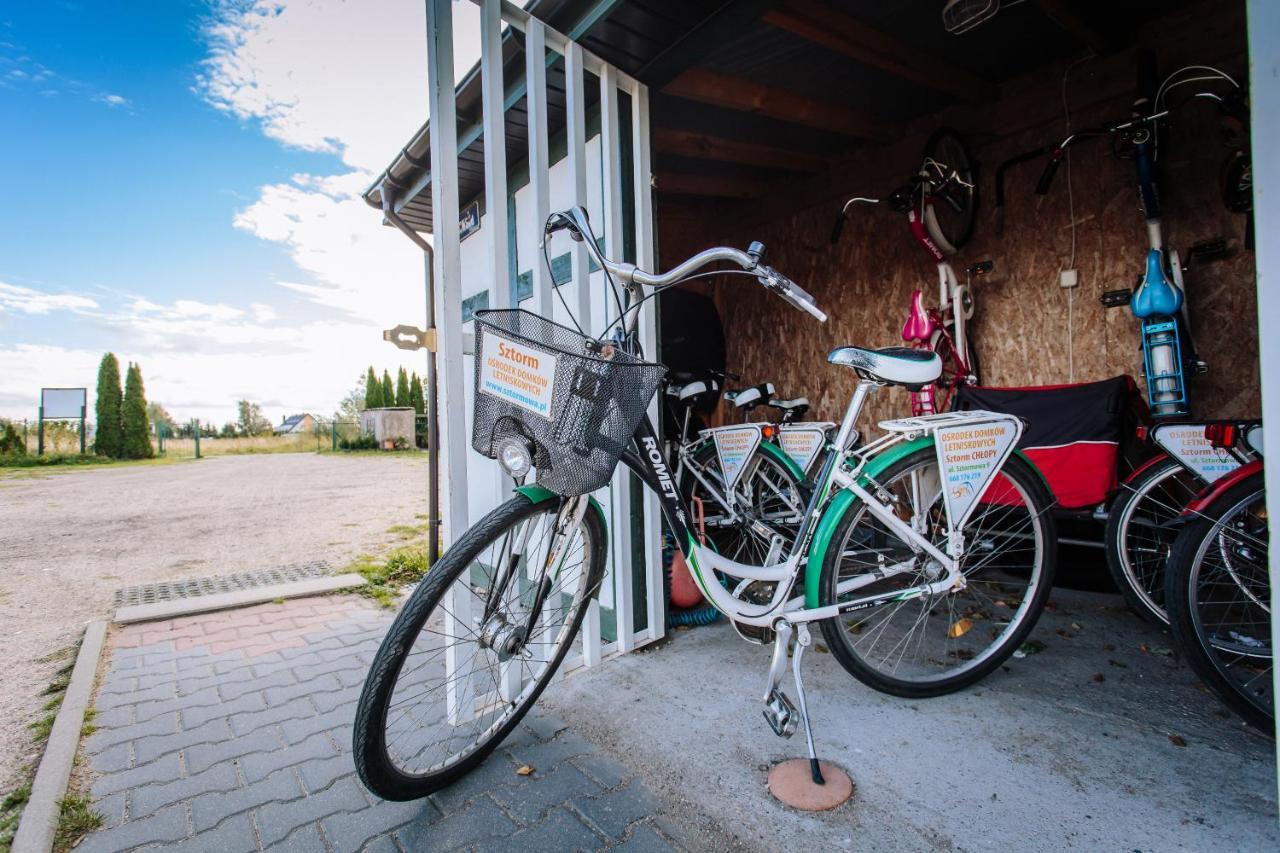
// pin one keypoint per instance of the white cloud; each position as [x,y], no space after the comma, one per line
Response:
[25,300]
[347,78]
[112,100]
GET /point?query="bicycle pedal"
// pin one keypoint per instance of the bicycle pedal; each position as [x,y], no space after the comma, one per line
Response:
[1116,298]
[780,714]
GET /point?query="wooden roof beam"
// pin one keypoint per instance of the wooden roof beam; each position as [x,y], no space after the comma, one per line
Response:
[714,186]
[736,93]
[838,31]
[702,146]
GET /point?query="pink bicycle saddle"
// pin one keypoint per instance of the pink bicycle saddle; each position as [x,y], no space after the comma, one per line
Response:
[919,327]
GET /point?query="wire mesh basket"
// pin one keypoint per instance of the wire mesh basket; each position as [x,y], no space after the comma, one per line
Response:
[573,400]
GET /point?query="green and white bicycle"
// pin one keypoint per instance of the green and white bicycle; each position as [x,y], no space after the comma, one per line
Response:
[924,556]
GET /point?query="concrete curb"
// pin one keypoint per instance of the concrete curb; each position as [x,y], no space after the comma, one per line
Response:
[40,818]
[240,598]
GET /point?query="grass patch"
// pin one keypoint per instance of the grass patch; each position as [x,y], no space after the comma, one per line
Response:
[306,443]
[88,727]
[16,467]
[407,531]
[386,575]
[40,728]
[76,817]
[11,812]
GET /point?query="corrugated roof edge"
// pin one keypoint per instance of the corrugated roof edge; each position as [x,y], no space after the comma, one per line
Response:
[407,170]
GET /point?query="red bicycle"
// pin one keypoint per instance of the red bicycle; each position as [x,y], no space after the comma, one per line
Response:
[940,202]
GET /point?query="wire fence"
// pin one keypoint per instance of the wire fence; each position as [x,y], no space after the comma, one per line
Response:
[195,440]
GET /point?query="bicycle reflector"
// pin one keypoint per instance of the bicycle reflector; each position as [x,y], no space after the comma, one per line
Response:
[769,431]
[1222,436]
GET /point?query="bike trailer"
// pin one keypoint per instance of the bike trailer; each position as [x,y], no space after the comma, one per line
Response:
[1076,434]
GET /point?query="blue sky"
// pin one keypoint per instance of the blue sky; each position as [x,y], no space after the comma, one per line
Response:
[181,186]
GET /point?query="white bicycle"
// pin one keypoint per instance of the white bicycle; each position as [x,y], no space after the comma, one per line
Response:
[924,556]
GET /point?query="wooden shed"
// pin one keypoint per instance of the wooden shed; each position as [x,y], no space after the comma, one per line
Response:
[683,124]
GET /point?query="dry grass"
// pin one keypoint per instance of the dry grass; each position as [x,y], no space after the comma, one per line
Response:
[307,443]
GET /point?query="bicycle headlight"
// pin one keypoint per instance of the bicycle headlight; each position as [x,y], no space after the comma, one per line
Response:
[515,458]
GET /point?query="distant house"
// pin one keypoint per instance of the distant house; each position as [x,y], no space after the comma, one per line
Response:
[296,425]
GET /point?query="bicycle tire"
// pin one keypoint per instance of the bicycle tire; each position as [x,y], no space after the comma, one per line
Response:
[1186,576]
[947,146]
[971,666]
[1139,576]
[375,766]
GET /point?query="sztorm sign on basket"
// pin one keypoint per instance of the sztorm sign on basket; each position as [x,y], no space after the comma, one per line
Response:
[572,400]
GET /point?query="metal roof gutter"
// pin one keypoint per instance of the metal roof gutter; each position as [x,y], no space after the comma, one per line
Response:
[410,172]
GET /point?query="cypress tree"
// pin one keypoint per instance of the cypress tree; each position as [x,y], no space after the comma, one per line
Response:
[402,389]
[137,433]
[372,391]
[108,440]
[388,390]
[417,399]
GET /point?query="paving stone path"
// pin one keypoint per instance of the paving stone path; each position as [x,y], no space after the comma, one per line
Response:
[231,732]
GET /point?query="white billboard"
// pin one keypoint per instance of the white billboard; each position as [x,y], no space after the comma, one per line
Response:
[62,402]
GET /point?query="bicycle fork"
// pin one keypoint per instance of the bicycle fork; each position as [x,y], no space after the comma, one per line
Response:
[778,711]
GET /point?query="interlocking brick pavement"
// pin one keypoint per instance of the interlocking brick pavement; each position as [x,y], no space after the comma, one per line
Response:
[231,732]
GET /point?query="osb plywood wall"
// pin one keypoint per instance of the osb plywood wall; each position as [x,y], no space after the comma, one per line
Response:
[1027,330]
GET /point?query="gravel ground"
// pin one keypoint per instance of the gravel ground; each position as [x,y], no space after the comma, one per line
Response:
[69,539]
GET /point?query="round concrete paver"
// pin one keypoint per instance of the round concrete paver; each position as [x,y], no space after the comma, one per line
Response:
[792,784]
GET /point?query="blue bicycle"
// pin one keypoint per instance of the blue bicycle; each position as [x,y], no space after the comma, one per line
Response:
[1159,300]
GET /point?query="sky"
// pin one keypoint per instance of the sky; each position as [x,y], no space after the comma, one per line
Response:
[180,184]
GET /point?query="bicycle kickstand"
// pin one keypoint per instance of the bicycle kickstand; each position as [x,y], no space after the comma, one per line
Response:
[779,712]
[802,642]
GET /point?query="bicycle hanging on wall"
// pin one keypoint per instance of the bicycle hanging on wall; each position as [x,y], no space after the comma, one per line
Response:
[941,205]
[924,556]
[1159,299]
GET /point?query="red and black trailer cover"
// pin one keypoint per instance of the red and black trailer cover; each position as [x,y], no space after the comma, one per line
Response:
[1074,433]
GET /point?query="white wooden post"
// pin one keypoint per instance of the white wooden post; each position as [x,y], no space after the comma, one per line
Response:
[535,47]
[611,161]
[576,130]
[646,258]
[1264,98]
[460,702]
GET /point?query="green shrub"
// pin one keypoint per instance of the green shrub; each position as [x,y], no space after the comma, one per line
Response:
[11,443]
[360,442]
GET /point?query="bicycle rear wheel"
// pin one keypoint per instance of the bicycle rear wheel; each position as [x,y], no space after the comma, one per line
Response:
[459,667]
[935,644]
[1218,596]
[767,491]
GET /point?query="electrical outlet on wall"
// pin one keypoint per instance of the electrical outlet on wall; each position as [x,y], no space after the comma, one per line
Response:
[1068,278]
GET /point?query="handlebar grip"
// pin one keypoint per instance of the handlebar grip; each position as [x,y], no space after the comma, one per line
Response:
[797,296]
[1050,169]
[837,229]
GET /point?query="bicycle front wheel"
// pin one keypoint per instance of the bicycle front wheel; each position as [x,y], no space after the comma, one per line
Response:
[475,645]
[928,645]
[1140,535]
[1218,596]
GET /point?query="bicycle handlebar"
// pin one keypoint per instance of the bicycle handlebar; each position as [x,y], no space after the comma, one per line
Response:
[575,221]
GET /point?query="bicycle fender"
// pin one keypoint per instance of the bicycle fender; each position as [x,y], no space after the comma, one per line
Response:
[1217,487]
[841,503]
[537,494]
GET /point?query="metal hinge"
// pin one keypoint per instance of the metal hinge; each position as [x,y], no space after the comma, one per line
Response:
[411,338]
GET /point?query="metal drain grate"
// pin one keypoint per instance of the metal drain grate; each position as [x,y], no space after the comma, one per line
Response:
[150,593]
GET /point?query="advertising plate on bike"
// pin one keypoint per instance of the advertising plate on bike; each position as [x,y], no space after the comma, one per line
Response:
[1187,444]
[968,456]
[802,442]
[517,374]
[735,445]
